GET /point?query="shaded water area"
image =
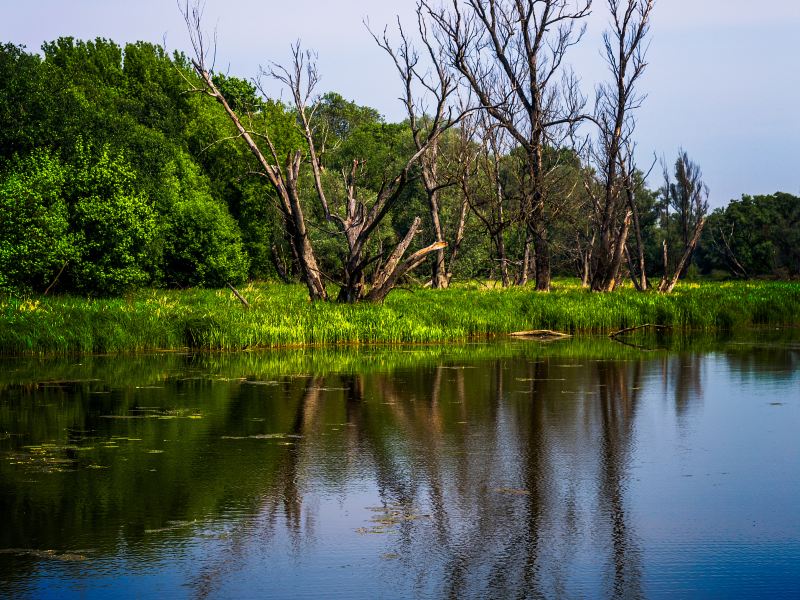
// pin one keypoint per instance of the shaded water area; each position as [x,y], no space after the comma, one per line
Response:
[581,468]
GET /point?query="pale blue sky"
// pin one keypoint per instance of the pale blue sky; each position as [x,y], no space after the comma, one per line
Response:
[723,79]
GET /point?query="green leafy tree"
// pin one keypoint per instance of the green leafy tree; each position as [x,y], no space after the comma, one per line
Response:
[35,242]
[202,242]
[754,236]
[116,225]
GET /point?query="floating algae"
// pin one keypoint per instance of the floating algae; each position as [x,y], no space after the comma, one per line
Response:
[157,414]
[388,518]
[172,526]
[50,554]
[263,436]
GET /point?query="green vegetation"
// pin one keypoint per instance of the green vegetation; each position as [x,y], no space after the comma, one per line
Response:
[118,190]
[114,179]
[281,316]
[754,236]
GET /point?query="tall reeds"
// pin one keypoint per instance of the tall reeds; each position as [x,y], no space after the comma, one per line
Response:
[281,316]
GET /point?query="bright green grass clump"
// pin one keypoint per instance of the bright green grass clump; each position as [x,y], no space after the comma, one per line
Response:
[281,315]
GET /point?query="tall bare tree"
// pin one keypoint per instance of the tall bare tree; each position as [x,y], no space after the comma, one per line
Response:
[357,219]
[486,192]
[431,74]
[511,54]
[613,199]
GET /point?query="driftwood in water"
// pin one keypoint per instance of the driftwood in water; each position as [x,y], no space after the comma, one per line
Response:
[542,335]
[638,327]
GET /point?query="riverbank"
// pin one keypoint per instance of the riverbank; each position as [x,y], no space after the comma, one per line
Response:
[281,316]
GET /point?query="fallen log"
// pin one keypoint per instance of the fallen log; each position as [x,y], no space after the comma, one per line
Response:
[241,298]
[542,335]
[638,327]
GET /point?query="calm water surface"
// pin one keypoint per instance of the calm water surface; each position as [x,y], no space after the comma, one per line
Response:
[574,470]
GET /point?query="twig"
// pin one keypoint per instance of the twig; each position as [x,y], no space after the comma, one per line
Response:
[50,287]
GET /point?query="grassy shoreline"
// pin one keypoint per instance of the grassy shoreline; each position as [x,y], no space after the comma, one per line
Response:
[281,316]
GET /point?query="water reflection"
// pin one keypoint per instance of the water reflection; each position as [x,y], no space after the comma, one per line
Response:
[506,475]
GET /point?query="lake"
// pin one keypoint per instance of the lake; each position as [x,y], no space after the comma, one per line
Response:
[581,468]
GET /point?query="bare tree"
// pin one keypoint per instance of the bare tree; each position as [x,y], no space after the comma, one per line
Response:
[438,84]
[356,218]
[724,248]
[688,197]
[511,53]
[638,269]
[613,200]
[462,172]
[487,194]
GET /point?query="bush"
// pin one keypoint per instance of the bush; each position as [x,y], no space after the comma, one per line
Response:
[35,242]
[203,243]
[115,224]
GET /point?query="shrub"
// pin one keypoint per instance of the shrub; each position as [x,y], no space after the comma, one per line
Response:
[35,242]
[115,224]
[202,242]
[204,245]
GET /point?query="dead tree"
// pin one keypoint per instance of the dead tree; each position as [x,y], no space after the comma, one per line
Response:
[463,173]
[638,270]
[510,53]
[688,197]
[487,195]
[723,247]
[427,132]
[283,176]
[616,100]
[357,220]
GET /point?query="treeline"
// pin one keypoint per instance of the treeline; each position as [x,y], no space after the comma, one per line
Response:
[123,167]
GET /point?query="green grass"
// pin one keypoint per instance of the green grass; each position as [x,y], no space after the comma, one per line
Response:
[281,316]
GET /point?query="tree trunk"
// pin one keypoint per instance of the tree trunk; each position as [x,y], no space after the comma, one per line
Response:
[525,267]
[454,250]
[637,231]
[391,273]
[541,246]
[286,189]
[668,284]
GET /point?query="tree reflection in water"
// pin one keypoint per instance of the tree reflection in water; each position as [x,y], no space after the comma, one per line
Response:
[519,468]
[503,476]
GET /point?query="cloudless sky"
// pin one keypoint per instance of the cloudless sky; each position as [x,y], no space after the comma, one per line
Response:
[723,79]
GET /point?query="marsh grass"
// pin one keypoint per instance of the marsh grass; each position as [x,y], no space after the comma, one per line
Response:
[282,316]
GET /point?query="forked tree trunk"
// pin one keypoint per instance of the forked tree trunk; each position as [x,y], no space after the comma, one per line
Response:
[667,283]
[607,277]
[394,270]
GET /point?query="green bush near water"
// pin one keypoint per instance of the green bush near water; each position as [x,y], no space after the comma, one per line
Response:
[281,316]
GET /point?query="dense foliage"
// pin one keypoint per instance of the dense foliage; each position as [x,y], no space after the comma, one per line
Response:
[113,177]
[100,192]
[754,236]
